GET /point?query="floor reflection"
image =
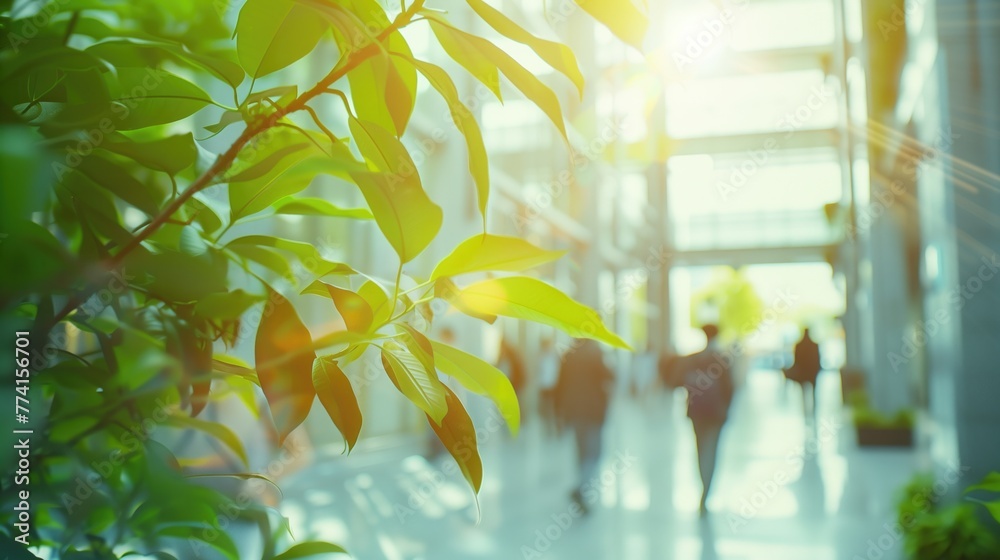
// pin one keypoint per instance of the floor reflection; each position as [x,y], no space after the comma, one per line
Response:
[787,487]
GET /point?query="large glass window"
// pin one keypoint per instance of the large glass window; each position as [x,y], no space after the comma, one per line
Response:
[752,199]
[785,101]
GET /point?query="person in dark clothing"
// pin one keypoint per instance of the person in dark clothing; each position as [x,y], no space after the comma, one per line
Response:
[581,400]
[512,364]
[805,369]
[707,376]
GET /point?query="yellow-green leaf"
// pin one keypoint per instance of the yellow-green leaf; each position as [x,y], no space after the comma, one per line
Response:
[307,206]
[532,88]
[481,378]
[383,91]
[411,378]
[170,154]
[407,217]
[338,398]
[464,52]
[458,434]
[143,97]
[284,356]
[283,163]
[527,298]
[557,55]
[490,252]
[378,300]
[622,17]
[354,309]
[466,122]
[214,429]
[271,34]
[418,345]
[307,549]
[309,256]
[446,289]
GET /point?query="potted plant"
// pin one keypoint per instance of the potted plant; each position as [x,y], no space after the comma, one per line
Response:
[876,429]
[930,532]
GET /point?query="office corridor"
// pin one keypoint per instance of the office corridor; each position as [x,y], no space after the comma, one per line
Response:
[784,489]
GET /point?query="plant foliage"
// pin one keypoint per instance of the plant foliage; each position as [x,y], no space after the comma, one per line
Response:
[128,274]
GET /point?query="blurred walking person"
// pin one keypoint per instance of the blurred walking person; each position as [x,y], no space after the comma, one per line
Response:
[708,378]
[548,377]
[805,370]
[582,394]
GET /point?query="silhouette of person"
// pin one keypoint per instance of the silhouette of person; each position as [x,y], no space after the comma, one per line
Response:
[512,364]
[805,369]
[548,376]
[708,379]
[582,394]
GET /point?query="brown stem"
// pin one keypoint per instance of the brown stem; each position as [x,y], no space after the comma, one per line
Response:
[223,162]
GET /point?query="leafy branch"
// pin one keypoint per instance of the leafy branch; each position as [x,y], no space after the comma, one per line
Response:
[225,161]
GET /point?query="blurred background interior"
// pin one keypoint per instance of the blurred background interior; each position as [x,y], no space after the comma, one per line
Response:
[765,165]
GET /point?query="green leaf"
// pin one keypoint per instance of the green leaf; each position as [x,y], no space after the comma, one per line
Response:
[304,550]
[214,429]
[989,484]
[412,379]
[481,378]
[383,90]
[465,52]
[407,217]
[310,257]
[354,309]
[622,17]
[189,531]
[378,300]
[226,305]
[282,165]
[338,398]
[144,195]
[466,122]
[419,346]
[489,252]
[532,88]
[446,289]
[266,177]
[171,154]
[534,300]
[305,206]
[227,118]
[268,258]
[284,356]
[458,434]
[144,97]
[271,34]
[142,52]
[557,55]
[169,273]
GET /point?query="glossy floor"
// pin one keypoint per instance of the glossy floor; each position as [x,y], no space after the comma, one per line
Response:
[786,488]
